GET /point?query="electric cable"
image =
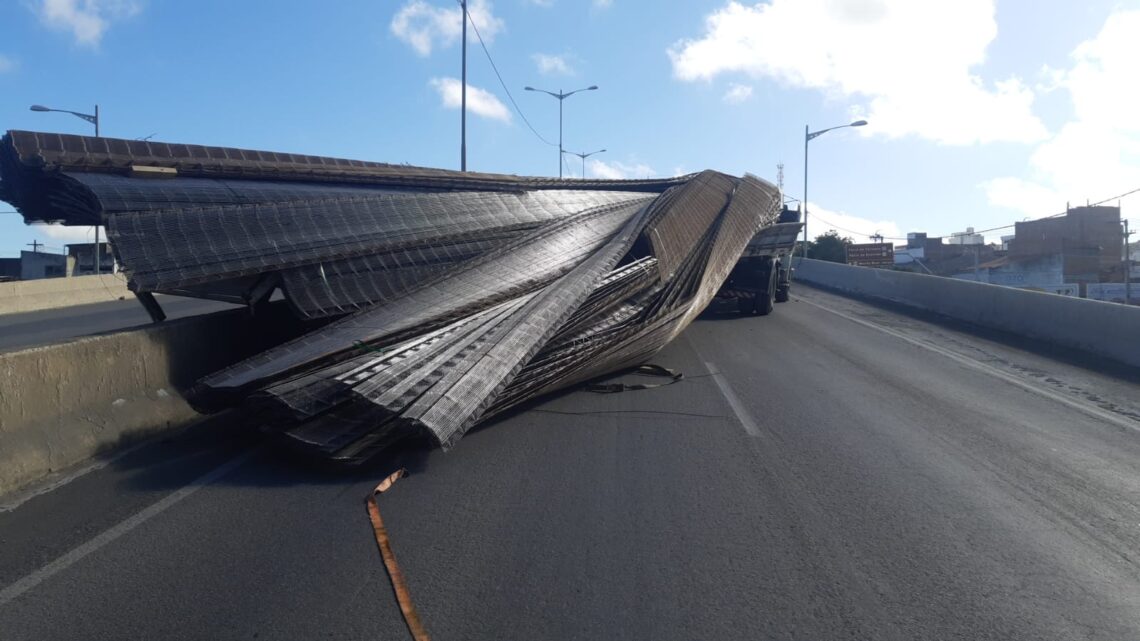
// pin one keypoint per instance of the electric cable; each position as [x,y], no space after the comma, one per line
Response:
[500,76]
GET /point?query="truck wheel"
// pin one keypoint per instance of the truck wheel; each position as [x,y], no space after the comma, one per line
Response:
[765,301]
[782,294]
[746,305]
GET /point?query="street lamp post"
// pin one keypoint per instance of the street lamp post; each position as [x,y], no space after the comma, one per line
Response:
[584,156]
[93,119]
[561,96]
[808,135]
[463,96]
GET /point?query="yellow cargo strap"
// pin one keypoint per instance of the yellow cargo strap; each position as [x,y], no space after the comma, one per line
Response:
[399,585]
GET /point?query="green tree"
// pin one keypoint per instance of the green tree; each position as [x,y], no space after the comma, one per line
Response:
[830,246]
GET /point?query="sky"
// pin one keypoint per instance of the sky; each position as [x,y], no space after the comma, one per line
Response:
[981,112]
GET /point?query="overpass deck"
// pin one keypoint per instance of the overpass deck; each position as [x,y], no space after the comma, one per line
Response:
[835,470]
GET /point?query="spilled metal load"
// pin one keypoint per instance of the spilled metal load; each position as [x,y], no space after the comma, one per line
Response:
[455,295]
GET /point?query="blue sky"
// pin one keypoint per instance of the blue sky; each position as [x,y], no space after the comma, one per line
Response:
[982,113]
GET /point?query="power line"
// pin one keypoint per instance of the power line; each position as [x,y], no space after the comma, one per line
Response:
[1101,202]
[566,165]
[982,231]
[851,231]
[500,77]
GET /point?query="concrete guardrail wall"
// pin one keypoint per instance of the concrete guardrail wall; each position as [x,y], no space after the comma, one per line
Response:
[47,293]
[65,403]
[1104,329]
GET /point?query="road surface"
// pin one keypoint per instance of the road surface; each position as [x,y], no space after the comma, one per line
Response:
[833,471]
[29,329]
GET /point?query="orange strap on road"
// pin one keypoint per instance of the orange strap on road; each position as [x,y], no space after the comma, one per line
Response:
[403,597]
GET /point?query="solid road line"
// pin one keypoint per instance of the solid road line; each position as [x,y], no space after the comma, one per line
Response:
[742,414]
[1080,406]
[30,581]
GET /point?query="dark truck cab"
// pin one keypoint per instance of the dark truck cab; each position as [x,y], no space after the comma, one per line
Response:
[763,275]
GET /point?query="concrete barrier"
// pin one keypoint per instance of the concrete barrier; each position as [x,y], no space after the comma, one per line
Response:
[47,293]
[1102,329]
[62,404]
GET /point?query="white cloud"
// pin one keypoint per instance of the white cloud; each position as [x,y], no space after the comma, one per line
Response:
[617,170]
[859,229]
[479,101]
[69,234]
[737,93]
[7,64]
[549,64]
[1096,155]
[911,64]
[87,20]
[603,4]
[541,3]
[425,26]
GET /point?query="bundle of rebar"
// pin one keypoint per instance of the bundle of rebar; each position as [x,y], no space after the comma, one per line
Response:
[455,295]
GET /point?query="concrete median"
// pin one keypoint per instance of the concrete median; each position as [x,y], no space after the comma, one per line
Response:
[49,293]
[62,404]
[1102,329]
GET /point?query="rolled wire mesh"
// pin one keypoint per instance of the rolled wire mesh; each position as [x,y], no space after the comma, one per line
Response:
[32,164]
[522,266]
[466,293]
[625,315]
[211,243]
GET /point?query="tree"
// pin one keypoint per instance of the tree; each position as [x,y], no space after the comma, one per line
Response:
[829,246]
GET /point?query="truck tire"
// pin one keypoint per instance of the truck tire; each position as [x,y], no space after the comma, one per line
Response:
[765,300]
[782,294]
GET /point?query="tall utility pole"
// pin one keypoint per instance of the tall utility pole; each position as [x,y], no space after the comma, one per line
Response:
[463,97]
[808,135]
[1127,266]
[561,96]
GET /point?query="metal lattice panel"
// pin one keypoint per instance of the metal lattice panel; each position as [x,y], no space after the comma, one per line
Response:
[461,294]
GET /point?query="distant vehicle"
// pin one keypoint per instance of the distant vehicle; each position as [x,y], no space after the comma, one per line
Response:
[763,275]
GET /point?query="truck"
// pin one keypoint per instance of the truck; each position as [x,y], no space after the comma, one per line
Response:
[763,275]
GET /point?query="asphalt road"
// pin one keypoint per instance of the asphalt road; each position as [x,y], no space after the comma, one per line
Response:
[833,471]
[29,329]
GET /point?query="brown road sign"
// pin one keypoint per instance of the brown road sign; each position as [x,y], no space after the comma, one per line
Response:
[871,255]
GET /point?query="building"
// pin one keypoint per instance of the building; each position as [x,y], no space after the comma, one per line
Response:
[967,237]
[932,256]
[82,263]
[78,261]
[35,265]
[9,269]
[1088,241]
[1077,254]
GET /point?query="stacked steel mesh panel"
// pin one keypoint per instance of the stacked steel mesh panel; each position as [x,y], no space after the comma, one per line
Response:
[459,295]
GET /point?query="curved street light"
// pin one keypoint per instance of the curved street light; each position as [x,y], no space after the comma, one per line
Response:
[808,135]
[561,96]
[584,156]
[91,118]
